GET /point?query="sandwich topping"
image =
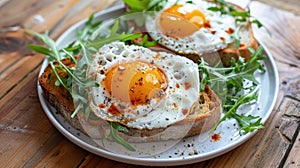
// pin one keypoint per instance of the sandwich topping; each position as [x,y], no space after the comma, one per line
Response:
[190,28]
[148,90]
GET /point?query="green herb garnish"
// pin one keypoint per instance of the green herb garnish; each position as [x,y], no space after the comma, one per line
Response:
[76,81]
[233,78]
[144,5]
[139,9]
[146,42]
[246,123]
[234,75]
[226,8]
[124,37]
[236,37]
[114,129]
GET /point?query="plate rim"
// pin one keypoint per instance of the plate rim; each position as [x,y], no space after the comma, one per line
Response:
[143,160]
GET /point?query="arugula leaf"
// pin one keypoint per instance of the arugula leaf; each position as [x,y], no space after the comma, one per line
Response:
[241,16]
[258,23]
[156,5]
[39,49]
[116,36]
[205,74]
[245,122]
[142,8]
[234,75]
[190,2]
[144,5]
[113,36]
[119,37]
[147,43]
[137,5]
[114,129]
[237,37]
[88,28]
[227,82]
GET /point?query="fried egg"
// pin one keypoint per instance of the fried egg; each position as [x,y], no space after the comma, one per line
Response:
[190,28]
[141,88]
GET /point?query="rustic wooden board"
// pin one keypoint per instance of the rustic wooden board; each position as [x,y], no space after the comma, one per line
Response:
[19,11]
[60,15]
[288,5]
[293,159]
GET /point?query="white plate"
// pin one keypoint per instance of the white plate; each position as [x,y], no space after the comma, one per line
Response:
[188,150]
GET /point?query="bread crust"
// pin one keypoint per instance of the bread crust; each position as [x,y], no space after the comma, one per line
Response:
[246,42]
[58,96]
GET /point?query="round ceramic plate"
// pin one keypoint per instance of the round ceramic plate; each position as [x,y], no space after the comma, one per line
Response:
[188,150]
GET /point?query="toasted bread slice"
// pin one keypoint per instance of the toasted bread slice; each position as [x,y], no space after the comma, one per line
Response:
[247,39]
[58,96]
[205,113]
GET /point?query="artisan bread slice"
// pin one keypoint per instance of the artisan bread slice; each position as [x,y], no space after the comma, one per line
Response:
[58,96]
[205,114]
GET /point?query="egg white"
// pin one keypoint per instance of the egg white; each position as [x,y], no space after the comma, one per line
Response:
[203,40]
[178,70]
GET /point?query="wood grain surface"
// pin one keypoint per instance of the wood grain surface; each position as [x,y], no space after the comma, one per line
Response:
[28,139]
[288,5]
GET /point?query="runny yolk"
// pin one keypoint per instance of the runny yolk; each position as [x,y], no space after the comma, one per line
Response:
[135,83]
[180,21]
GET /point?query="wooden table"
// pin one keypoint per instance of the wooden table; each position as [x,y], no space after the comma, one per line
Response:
[28,139]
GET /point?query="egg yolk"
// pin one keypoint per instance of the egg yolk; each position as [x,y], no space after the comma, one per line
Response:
[179,21]
[135,83]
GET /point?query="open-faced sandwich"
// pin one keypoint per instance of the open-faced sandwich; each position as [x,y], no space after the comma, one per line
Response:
[152,84]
